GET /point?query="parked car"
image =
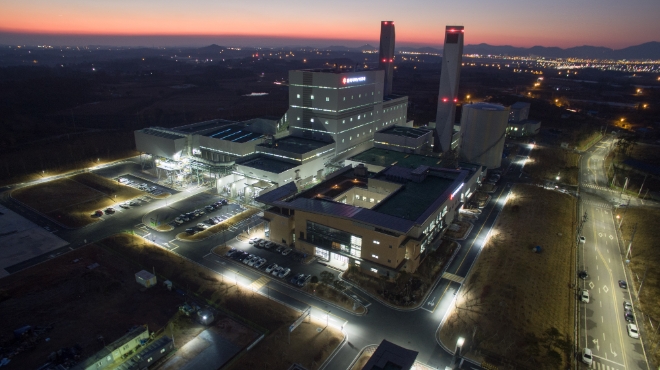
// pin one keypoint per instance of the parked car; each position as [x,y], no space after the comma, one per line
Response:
[98,213]
[122,180]
[208,208]
[230,252]
[252,240]
[254,261]
[110,210]
[279,249]
[583,275]
[202,226]
[632,331]
[295,278]
[627,306]
[271,267]
[582,239]
[200,211]
[283,273]
[261,262]
[584,296]
[240,256]
[178,221]
[124,206]
[286,251]
[277,270]
[248,258]
[185,218]
[269,245]
[303,280]
[262,243]
[587,356]
[628,315]
[190,231]
[623,284]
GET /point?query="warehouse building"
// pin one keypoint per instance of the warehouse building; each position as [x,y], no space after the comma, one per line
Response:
[384,222]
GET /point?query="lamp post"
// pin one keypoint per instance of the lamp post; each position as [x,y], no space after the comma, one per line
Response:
[457,352]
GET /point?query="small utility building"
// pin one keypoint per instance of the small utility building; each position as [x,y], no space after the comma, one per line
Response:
[145,278]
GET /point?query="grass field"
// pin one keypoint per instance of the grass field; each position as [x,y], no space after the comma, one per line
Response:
[308,346]
[645,255]
[519,305]
[72,201]
[546,163]
[79,303]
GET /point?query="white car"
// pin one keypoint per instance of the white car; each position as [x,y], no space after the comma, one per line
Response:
[584,296]
[271,267]
[178,221]
[283,273]
[632,331]
[587,356]
[286,251]
[582,239]
[202,226]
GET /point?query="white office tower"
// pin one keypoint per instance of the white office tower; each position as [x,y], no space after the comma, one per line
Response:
[452,56]
[484,129]
[346,108]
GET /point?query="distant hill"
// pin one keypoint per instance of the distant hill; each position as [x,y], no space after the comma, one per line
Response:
[649,50]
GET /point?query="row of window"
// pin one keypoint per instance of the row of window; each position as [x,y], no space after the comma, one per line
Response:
[327,98]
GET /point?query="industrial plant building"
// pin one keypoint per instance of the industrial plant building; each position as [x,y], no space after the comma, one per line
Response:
[519,122]
[384,222]
[483,126]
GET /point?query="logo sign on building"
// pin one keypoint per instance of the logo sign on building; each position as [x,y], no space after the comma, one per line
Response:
[350,80]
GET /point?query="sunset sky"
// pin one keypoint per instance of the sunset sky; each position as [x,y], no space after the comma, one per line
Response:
[563,23]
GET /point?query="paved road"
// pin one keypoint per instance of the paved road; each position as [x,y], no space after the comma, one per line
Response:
[601,321]
[414,329]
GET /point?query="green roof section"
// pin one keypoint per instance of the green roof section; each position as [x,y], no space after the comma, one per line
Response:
[385,158]
[413,199]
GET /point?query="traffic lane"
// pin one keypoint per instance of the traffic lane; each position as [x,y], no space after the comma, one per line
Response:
[602,324]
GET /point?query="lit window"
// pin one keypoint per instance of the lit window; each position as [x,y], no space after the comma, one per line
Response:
[357,263]
[311,97]
[344,98]
[357,196]
[364,199]
[374,256]
[327,98]
[297,118]
[376,242]
[374,270]
[351,119]
[343,121]
[298,96]
[311,120]
[358,135]
[371,200]
[342,140]
[326,122]
[351,96]
[359,96]
[358,116]
[350,138]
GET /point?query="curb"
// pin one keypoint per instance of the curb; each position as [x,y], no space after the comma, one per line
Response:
[426,295]
[302,291]
[465,235]
[357,357]
[334,353]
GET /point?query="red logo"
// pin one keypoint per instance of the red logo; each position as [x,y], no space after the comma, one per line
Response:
[344,80]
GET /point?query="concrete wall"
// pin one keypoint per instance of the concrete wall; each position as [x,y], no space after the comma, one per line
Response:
[160,146]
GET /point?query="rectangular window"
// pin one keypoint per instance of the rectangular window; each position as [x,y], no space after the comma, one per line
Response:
[326,122]
[327,98]
[376,242]
[357,196]
[357,263]
[344,98]
[311,97]
[343,121]
[298,96]
[297,118]
[374,256]
[374,270]
[364,198]
[311,120]
[371,200]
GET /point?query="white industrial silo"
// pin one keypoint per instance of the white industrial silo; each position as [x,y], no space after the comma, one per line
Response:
[483,127]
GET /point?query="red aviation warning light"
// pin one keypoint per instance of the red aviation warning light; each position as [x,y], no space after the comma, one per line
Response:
[455,100]
[445,100]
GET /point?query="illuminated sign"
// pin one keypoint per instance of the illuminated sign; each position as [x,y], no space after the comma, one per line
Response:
[350,80]
[456,191]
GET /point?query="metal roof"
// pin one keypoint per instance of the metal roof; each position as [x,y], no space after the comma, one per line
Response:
[280,193]
[163,134]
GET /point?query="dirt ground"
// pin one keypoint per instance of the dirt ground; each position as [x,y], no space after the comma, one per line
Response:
[463,227]
[219,227]
[80,304]
[645,255]
[311,343]
[641,152]
[237,301]
[73,200]
[407,289]
[546,163]
[517,303]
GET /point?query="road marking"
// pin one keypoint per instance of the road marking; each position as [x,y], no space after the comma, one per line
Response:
[591,284]
[602,320]
[611,350]
[605,288]
[611,237]
[616,363]
[601,303]
[596,343]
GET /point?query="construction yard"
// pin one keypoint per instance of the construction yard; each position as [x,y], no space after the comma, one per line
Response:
[644,255]
[548,163]
[72,201]
[309,345]
[517,304]
[70,304]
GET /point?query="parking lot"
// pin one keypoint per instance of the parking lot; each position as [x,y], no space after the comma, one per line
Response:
[144,185]
[187,207]
[277,260]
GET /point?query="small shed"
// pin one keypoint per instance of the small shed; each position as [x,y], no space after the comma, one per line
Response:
[145,278]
